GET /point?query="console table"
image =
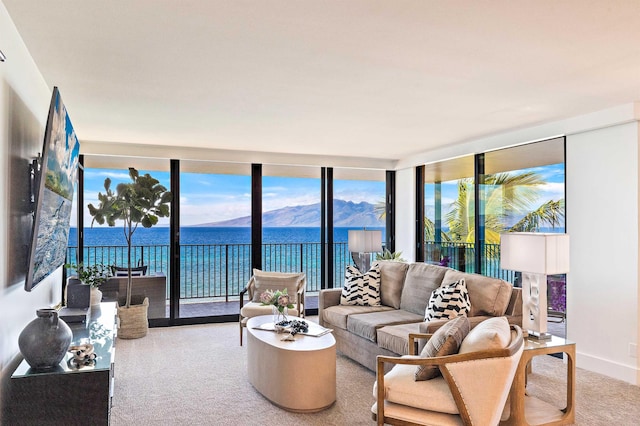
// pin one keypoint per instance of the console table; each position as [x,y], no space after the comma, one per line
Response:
[522,409]
[70,395]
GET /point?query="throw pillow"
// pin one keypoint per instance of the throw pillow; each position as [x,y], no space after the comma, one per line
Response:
[361,289]
[445,341]
[276,281]
[448,301]
[492,333]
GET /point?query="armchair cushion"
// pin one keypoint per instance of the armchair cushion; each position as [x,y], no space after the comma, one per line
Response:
[493,333]
[445,341]
[401,388]
[448,301]
[276,281]
[254,309]
[361,289]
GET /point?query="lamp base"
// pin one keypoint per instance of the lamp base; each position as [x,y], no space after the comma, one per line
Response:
[539,336]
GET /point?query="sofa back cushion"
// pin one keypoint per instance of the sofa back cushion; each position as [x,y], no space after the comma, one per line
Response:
[392,275]
[419,283]
[488,296]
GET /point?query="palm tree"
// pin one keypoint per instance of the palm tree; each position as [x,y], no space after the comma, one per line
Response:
[505,195]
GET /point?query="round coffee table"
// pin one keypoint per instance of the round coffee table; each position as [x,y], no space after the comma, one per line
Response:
[297,375]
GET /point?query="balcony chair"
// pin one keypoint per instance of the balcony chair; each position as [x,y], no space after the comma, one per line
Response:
[472,390]
[261,281]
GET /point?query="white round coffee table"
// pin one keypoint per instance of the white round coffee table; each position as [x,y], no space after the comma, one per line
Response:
[297,375]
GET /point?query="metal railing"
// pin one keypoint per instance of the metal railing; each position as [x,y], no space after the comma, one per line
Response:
[222,270]
[461,256]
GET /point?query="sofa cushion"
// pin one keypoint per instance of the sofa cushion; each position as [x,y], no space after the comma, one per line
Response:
[488,296]
[366,325]
[395,338]
[445,341]
[493,333]
[392,275]
[254,309]
[337,315]
[264,280]
[420,281]
[401,388]
[361,289]
[448,301]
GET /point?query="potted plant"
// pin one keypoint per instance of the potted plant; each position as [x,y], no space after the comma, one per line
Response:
[94,276]
[140,202]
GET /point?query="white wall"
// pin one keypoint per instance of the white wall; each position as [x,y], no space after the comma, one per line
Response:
[24,102]
[406,213]
[602,219]
[602,208]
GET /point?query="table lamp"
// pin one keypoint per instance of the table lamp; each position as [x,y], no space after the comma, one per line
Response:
[364,243]
[536,255]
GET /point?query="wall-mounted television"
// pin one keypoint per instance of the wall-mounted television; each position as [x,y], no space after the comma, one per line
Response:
[55,176]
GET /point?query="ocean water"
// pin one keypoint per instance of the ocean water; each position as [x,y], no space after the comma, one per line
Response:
[113,236]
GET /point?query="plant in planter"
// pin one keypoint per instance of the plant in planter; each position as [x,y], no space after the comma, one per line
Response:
[92,275]
[140,202]
[395,256]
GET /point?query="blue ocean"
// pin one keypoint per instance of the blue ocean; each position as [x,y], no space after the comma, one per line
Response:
[113,236]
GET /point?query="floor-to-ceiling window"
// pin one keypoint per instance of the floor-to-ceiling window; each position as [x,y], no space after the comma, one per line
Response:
[470,201]
[291,221]
[449,195]
[107,244]
[215,237]
[358,203]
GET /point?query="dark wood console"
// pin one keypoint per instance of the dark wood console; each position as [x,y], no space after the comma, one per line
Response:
[70,395]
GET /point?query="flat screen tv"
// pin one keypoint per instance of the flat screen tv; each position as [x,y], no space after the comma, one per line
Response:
[54,180]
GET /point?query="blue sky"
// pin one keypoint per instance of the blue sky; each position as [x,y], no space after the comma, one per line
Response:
[553,189]
[215,197]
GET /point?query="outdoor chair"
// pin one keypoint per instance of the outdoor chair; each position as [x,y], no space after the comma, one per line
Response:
[472,390]
[261,281]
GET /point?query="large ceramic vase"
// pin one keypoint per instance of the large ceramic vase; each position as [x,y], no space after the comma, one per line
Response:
[45,340]
[133,320]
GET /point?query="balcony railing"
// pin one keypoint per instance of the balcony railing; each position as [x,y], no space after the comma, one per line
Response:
[222,270]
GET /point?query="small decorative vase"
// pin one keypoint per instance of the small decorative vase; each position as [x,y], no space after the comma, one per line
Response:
[45,340]
[96,296]
[277,315]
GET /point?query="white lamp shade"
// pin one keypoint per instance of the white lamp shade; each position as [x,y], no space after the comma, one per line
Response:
[363,241]
[541,253]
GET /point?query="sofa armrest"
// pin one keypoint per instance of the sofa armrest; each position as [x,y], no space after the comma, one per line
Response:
[328,297]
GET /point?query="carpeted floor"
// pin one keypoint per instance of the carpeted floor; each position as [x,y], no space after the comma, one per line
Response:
[196,375]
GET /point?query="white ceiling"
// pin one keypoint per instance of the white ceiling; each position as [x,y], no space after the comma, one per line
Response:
[379,79]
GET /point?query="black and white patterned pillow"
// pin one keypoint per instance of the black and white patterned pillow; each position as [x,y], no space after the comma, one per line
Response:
[361,289]
[448,301]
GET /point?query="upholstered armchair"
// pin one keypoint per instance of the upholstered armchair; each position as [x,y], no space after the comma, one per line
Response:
[472,390]
[261,281]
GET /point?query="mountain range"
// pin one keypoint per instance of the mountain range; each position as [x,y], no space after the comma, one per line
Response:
[345,214]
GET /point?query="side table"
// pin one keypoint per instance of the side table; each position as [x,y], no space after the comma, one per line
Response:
[528,410]
[69,394]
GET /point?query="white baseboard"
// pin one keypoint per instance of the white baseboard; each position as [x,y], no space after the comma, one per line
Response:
[615,370]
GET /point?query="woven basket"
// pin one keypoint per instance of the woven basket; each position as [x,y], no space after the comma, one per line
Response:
[133,320]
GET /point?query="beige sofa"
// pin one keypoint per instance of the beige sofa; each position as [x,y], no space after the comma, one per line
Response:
[363,332]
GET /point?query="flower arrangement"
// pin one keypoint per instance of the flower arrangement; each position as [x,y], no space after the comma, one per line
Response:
[279,299]
[93,275]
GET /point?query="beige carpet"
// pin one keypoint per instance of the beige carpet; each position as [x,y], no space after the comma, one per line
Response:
[196,375]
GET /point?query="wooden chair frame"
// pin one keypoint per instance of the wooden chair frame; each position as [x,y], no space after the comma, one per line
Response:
[442,362]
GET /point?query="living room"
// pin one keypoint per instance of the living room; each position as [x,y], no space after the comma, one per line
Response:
[591,101]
